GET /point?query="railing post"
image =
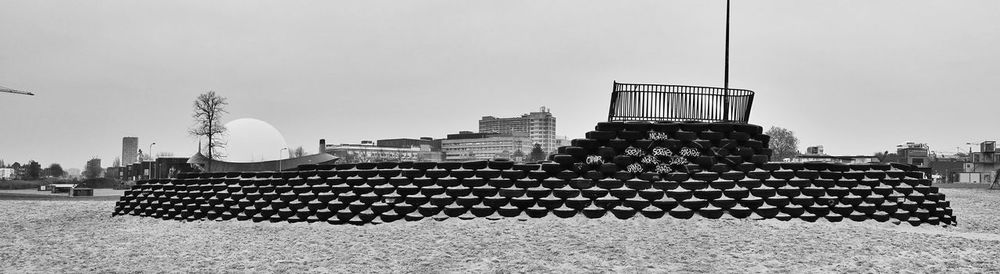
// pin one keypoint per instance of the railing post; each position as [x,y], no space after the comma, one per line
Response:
[614,100]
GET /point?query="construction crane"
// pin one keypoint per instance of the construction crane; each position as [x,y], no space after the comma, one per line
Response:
[14,91]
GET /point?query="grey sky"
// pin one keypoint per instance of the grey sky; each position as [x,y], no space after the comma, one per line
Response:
[854,76]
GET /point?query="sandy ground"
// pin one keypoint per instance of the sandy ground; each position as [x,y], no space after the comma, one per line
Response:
[80,236]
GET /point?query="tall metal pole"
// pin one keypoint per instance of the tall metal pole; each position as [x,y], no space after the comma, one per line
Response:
[151,164]
[726,81]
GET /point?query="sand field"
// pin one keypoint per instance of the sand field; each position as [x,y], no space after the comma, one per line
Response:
[80,236]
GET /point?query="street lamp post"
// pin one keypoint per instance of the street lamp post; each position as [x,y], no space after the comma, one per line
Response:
[725,99]
[279,157]
[152,164]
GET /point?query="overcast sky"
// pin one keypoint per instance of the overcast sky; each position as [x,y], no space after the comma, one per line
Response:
[854,76]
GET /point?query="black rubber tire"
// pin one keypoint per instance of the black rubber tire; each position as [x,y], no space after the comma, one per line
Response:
[538,192]
[593,212]
[500,183]
[684,135]
[793,210]
[550,202]
[601,135]
[636,203]
[650,194]
[739,212]
[763,192]
[610,126]
[496,201]
[564,212]
[511,192]
[665,203]
[758,174]
[858,216]
[500,164]
[694,203]
[565,192]
[578,203]
[481,210]
[623,212]
[788,191]
[711,212]
[837,191]
[679,194]
[681,213]
[631,136]
[708,193]
[737,192]
[588,145]
[833,218]
[813,191]
[458,191]
[693,184]
[609,183]
[723,202]
[509,211]
[803,200]
[852,199]
[842,209]
[485,191]
[522,202]
[623,192]
[818,210]
[607,202]
[767,211]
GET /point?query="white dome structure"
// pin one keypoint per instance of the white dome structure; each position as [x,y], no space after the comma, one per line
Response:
[252,140]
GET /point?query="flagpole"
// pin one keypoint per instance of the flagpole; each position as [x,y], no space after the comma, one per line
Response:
[725,99]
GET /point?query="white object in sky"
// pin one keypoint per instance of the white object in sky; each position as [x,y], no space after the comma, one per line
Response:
[252,140]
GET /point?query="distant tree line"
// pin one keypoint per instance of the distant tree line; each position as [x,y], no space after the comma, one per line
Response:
[34,171]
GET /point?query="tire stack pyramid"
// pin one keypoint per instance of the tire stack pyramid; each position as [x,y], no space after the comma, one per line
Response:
[653,169]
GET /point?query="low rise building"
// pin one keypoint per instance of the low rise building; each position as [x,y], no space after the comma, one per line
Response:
[947,170]
[857,159]
[435,145]
[370,152]
[467,145]
[161,167]
[6,173]
[817,154]
[914,154]
[983,165]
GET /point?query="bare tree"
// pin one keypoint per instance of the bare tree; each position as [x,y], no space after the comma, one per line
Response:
[783,143]
[298,152]
[208,111]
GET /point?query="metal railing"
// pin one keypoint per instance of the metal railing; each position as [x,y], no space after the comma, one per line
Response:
[654,102]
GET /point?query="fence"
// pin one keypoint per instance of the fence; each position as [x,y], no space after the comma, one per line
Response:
[653,102]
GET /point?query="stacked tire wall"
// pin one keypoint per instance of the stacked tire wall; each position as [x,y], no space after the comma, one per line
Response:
[623,169]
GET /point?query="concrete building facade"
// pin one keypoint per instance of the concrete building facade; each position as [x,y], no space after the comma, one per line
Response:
[914,154]
[6,173]
[370,152]
[467,145]
[130,150]
[857,159]
[540,127]
[409,142]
